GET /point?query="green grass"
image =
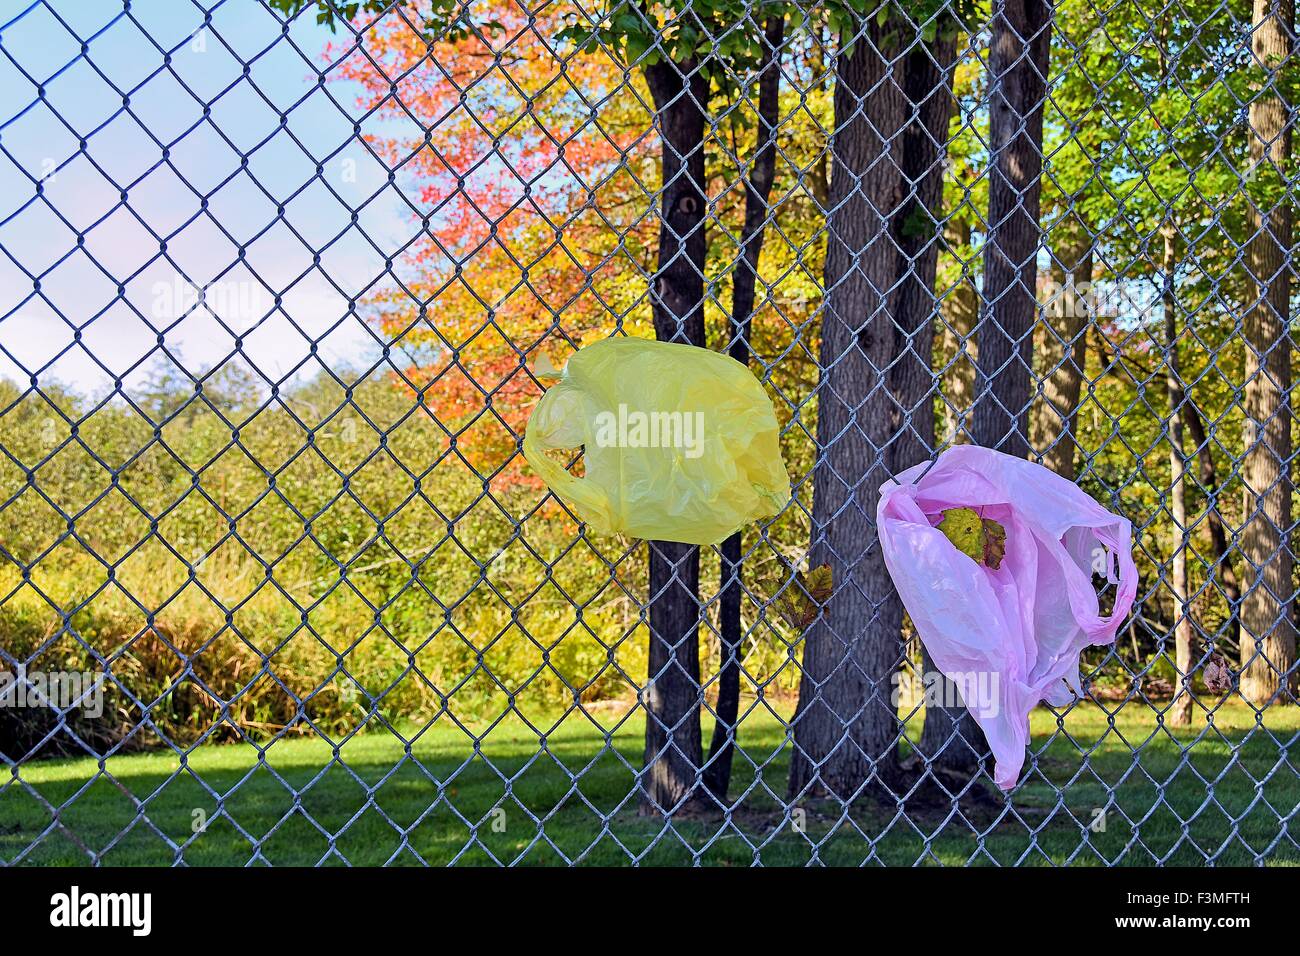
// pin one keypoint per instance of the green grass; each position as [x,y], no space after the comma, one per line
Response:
[1236,796]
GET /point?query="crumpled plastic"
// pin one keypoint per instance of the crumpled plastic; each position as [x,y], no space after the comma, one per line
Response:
[1015,633]
[679,443]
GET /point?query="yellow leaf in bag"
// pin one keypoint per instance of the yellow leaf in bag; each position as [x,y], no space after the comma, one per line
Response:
[680,443]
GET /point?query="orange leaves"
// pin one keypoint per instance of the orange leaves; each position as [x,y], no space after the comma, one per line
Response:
[526,164]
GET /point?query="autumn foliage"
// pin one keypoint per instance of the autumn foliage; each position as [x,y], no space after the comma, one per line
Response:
[524,162]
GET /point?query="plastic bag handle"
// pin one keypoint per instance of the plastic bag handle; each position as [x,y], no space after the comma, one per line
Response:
[591,501]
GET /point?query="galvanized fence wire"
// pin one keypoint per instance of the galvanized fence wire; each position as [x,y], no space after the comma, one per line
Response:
[1064,233]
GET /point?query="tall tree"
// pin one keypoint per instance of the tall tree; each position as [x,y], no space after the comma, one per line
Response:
[673,748]
[950,738]
[1229,583]
[1019,42]
[1180,98]
[1268,639]
[1075,136]
[1176,395]
[1061,345]
[485,282]
[686,52]
[673,47]
[958,348]
[874,411]
[1019,47]
[960,259]
[759,178]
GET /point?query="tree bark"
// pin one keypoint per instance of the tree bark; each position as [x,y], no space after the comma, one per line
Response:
[877,330]
[1268,640]
[958,349]
[1223,570]
[673,696]
[1020,39]
[929,105]
[1020,42]
[928,87]
[1180,711]
[950,738]
[758,190]
[1061,349]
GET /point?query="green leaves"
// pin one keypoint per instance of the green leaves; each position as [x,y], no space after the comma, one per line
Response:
[802,604]
[720,36]
[982,540]
[623,28]
[444,21]
[329,12]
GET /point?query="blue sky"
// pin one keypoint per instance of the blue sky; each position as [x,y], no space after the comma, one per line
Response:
[54,97]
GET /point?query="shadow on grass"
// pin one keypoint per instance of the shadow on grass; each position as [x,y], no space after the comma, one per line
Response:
[1097,790]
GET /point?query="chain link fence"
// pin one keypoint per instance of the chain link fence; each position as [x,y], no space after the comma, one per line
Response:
[280,282]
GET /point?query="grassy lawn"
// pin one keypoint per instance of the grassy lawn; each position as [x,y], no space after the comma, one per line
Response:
[1235,797]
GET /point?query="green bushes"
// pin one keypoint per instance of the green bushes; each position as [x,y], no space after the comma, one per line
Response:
[247,566]
[312,577]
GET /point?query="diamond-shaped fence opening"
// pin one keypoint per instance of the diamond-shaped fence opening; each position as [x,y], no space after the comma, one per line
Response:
[280,282]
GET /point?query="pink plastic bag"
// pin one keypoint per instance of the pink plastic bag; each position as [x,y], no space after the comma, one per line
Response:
[1010,637]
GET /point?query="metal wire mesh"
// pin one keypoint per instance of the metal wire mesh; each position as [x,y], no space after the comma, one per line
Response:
[281,281]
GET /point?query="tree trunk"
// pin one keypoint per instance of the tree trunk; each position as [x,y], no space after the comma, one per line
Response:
[878,324]
[1223,570]
[1061,348]
[959,350]
[758,190]
[1180,711]
[1268,641]
[950,738]
[1020,39]
[673,748]
[928,87]
[1020,42]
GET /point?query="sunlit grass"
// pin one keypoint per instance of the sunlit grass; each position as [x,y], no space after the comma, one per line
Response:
[508,793]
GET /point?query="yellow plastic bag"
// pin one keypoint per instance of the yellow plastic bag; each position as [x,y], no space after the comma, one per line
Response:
[680,443]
